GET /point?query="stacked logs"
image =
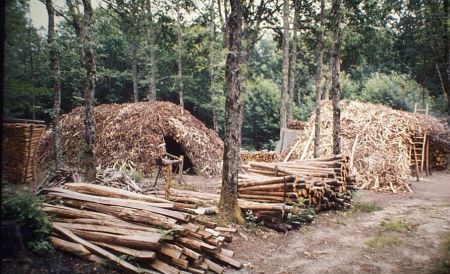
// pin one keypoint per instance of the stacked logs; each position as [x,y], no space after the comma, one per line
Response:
[259,156]
[438,154]
[278,216]
[296,124]
[102,223]
[321,183]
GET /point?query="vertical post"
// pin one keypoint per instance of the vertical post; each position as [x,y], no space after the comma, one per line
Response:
[168,179]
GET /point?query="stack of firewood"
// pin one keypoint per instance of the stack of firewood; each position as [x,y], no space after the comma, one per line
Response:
[322,183]
[296,124]
[259,156]
[138,232]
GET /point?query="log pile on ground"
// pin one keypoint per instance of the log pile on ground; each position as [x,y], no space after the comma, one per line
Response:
[139,133]
[377,139]
[20,141]
[259,156]
[276,215]
[296,124]
[102,223]
[322,183]
[440,147]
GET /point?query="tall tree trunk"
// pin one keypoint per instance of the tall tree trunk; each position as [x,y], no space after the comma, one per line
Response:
[82,25]
[335,78]
[212,89]
[151,95]
[180,54]
[229,207]
[447,10]
[30,52]
[293,65]
[319,80]
[223,21]
[134,72]
[56,83]
[285,69]
[326,86]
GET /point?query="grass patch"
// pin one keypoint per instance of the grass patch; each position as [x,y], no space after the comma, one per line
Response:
[394,225]
[366,207]
[380,241]
[443,264]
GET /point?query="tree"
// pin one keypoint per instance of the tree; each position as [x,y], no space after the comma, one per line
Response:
[56,83]
[319,79]
[285,69]
[211,64]
[293,62]
[335,78]
[82,25]
[229,207]
[179,54]
[150,40]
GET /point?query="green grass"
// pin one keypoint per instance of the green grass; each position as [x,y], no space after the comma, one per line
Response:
[381,241]
[366,207]
[443,264]
[394,225]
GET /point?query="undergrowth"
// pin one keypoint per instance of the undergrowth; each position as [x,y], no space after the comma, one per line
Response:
[366,207]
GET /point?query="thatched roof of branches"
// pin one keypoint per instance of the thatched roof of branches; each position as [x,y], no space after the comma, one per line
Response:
[379,137]
[137,133]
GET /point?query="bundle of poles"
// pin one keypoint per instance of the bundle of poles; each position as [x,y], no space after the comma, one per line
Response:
[320,183]
[140,233]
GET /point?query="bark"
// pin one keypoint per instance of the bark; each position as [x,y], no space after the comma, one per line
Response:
[231,158]
[447,9]
[82,24]
[319,79]
[56,83]
[293,65]
[285,69]
[134,71]
[223,21]
[179,56]
[335,78]
[30,52]
[211,65]
[151,96]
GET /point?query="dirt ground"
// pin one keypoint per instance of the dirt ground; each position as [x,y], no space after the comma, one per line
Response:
[338,242]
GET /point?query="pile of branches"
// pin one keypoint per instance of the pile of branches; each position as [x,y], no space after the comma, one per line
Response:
[140,233]
[296,124]
[135,133]
[111,176]
[377,139]
[259,156]
[322,183]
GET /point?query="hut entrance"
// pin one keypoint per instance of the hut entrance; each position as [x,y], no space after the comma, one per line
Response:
[175,148]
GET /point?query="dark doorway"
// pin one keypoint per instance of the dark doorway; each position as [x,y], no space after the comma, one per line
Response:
[175,148]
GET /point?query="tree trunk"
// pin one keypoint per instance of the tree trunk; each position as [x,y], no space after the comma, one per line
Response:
[293,65]
[223,21]
[231,158]
[56,83]
[319,79]
[326,87]
[285,69]
[212,89]
[151,96]
[335,78]
[447,9]
[82,26]
[180,53]
[134,71]
[30,52]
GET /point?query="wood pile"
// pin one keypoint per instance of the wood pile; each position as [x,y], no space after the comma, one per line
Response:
[20,141]
[259,156]
[275,215]
[440,147]
[322,183]
[376,138]
[138,132]
[140,233]
[296,124]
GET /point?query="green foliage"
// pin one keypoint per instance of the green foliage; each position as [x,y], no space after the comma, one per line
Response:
[261,117]
[443,264]
[25,208]
[394,225]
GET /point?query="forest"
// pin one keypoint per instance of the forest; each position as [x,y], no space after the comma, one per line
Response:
[393,52]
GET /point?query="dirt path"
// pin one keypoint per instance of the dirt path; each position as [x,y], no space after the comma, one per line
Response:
[339,242]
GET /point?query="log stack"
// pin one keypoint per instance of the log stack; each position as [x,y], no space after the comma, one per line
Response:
[322,183]
[140,233]
[296,124]
[259,156]
[20,141]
